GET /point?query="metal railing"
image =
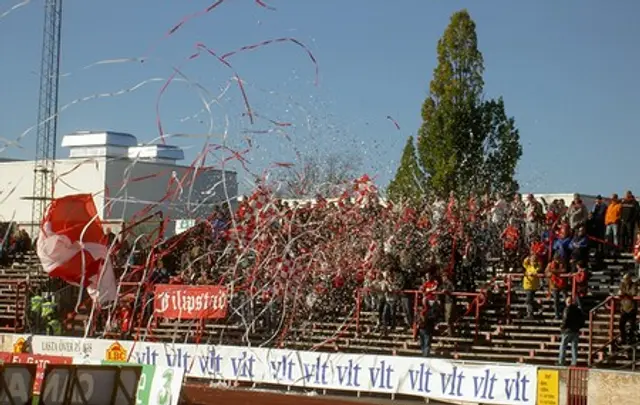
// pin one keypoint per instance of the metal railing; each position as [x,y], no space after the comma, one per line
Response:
[609,304]
[479,299]
[509,281]
[21,309]
[22,289]
[577,386]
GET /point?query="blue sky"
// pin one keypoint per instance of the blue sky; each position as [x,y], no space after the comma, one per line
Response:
[567,72]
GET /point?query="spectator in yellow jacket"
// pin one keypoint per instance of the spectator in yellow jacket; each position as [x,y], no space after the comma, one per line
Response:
[531,281]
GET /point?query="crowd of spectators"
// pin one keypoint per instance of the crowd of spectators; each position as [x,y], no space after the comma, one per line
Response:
[15,242]
[286,262]
[295,262]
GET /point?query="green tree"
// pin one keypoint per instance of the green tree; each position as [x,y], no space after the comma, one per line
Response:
[448,143]
[502,149]
[464,140]
[407,183]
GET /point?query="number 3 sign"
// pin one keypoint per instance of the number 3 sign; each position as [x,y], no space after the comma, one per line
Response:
[157,385]
[166,386]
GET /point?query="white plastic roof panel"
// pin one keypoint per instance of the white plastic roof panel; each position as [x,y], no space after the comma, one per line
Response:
[98,138]
[163,152]
[92,144]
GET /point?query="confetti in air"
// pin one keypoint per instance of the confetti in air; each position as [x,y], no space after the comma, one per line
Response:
[285,264]
[207,10]
[14,8]
[390,118]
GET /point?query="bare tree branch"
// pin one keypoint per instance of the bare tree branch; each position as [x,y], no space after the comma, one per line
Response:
[327,176]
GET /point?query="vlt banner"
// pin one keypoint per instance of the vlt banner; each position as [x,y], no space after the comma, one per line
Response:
[158,385]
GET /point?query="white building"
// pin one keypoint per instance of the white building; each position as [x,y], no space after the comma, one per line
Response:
[588,200]
[125,178]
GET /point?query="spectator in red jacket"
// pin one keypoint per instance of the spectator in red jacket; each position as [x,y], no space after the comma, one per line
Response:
[557,283]
[428,289]
[511,246]
[582,282]
[540,250]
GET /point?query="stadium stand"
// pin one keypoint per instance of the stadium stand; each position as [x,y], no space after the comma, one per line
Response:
[499,338]
[495,319]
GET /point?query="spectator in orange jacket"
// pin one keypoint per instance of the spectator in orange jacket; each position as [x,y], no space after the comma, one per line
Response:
[612,220]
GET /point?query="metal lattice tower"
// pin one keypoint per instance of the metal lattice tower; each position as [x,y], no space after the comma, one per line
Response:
[46,141]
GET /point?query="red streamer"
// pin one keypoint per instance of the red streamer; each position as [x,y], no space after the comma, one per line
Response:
[390,118]
[274,41]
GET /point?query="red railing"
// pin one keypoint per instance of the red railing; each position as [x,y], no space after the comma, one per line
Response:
[23,308]
[577,386]
[479,299]
[20,313]
[125,288]
[509,279]
[609,304]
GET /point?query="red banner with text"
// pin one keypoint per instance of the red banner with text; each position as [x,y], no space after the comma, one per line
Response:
[5,357]
[190,301]
[41,362]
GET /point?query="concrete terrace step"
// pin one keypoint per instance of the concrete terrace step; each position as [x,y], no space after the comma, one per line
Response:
[534,341]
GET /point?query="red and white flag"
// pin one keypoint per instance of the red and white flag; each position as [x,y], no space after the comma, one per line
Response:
[72,246]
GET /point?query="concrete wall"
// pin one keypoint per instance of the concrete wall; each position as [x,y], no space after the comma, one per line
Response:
[178,191]
[128,188]
[589,200]
[73,176]
[613,388]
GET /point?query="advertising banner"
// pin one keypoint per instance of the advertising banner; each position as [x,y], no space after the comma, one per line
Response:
[5,357]
[40,361]
[548,387]
[157,385]
[190,302]
[442,379]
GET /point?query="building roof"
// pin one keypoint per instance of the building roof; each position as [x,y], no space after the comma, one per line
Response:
[98,138]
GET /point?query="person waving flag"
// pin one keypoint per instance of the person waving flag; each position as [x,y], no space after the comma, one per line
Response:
[72,246]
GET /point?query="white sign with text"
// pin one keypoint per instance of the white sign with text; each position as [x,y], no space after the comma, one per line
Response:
[424,377]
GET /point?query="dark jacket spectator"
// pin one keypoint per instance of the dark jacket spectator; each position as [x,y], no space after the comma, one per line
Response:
[628,220]
[580,246]
[598,214]
[572,319]
[629,211]
[110,236]
[429,317]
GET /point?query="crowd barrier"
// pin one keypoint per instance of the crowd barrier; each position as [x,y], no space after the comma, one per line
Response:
[89,385]
[611,306]
[164,364]
[76,376]
[16,383]
[64,384]
[438,379]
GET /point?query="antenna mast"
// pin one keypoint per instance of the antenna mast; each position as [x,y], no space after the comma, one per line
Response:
[46,141]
